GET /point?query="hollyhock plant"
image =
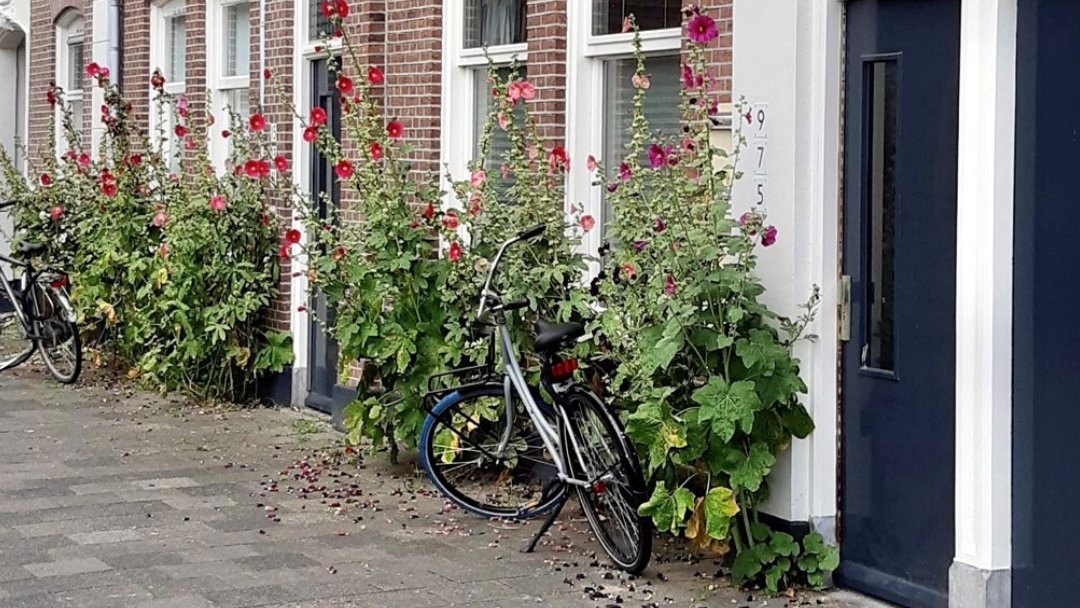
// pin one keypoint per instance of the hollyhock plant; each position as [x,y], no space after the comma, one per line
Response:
[375,150]
[344,85]
[311,134]
[705,367]
[395,129]
[343,169]
[375,76]
[318,117]
[281,163]
[217,203]
[257,122]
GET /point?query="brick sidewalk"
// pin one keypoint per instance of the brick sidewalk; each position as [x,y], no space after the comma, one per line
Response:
[113,498]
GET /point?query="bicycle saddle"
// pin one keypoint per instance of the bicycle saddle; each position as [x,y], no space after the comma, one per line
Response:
[29,250]
[550,335]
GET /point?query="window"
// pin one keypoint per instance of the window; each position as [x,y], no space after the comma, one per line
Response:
[494,22]
[608,15]
[176,55]
[318,23]
[70,65]
[237,40]
[168,53]
[229,55]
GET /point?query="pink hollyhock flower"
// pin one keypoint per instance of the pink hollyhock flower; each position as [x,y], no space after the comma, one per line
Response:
[455,252]
[251,168]
[624,172]
[70,155]
[375,76]
[56,213]
[338,254]
[217,203]
[504,121]
[477,179]
[318,116]
[281,163]
[103,75]
[769,236]
[587,223]
[450,221]
[311,134]
[46,180]
[629,270]
[180,131]
[521,89]
[504,170]
[669,285]
[395,129]
[163,250]
[687,76]
[590,163]
[257,122]
[343,169]
[159,219]
[626,24]
[345,85]
[657,156]
[189,144]
[182,104]
[93,69]
[702,29]
[292,236]
[376,150]
[640,81]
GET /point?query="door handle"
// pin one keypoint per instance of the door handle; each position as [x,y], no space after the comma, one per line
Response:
[843,306]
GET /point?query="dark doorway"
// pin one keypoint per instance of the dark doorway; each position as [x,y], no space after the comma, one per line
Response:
[897,478]
[325,394]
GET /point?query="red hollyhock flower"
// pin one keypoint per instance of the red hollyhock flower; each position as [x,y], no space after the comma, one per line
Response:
[264,168]
[108,184]
[180,131]
[292,236]
[342,8]
[264,218]
[343,169]
[455,251]
[587,223]
[84,160]
[338,254]
[395,129]
[56,213]
[375,76]
[376,150]
[93,69]
[318,116]
[345,85]
[281,163]
[429,212]
[133,161]
[267,74]
[257,122]
[450,221]
[46,180]
[283,252]
[50,96]
[226,133]
[251,168]
[157,80]
[327,9]
[669,285]
[311,134]
[558,159]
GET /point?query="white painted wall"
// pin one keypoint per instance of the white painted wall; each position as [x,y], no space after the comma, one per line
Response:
[787,65]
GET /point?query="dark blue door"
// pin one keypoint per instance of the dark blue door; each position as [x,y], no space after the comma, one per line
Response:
[325,393]
[896,499]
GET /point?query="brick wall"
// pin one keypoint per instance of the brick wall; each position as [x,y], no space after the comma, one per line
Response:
[546,35]
[720,50]
[135,58]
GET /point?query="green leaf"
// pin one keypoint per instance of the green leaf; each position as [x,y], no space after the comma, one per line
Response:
[668,510]
[784,544]
[761,351]
[797,421]
[746,566]
[729,407]
[772,578]
[719,507]
[660,354]
[753,469]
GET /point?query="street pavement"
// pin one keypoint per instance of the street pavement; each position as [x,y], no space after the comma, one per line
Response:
[110,497]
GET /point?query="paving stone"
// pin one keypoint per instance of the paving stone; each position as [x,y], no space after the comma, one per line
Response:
[106,536]
[65,567]
[183,601]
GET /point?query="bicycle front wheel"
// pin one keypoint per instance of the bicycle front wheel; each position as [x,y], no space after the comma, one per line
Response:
[598,452]
[57,335]
[459,452]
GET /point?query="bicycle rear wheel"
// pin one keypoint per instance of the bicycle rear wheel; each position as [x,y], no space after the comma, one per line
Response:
[15,344]
[597,451]
[57,335]
[459,452]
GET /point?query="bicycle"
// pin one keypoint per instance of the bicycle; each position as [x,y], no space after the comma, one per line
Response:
[35,309]
[496,448]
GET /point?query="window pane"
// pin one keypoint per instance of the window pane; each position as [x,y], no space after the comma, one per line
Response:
[237,39]
[176,31]
[661,109]
[500,139]
[318,23]
[880,88]
[494,22]
[650,14]
[75,65]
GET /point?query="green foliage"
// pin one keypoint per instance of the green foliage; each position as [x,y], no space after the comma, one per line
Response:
[705,368]
[172,266]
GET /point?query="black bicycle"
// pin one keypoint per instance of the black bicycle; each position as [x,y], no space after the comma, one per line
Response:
[36,314]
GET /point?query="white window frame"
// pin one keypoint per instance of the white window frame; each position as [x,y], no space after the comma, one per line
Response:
[160,13]
[587,54]
[221,85]
[69,27]
[462,67]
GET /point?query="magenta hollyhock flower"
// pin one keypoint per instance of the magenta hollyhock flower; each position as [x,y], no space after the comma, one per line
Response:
[687,77]
[455,251]
[375,76]
[318,116]
[669,285]
[217,203]
[251,169]
[267,74]
[257,122]
[612,187]
[311,134]
[108,184]
[429,211]
[587,223]
[50,96]
[590,163]
[84,160]
[46,180]
[768,237]
[345,85]
[225,133]
[343,169]
[180,131]
[624,172]
[327,9]
[659,226]
[281,163]
[702,29]
[640,246]
[657,156]
[395,129]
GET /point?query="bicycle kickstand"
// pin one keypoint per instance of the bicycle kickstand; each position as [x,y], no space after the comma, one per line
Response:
[547,523]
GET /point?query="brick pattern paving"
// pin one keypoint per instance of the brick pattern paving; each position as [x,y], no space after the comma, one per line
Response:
[110,498]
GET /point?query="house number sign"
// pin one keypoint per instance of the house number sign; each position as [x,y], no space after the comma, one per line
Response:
[756,118]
